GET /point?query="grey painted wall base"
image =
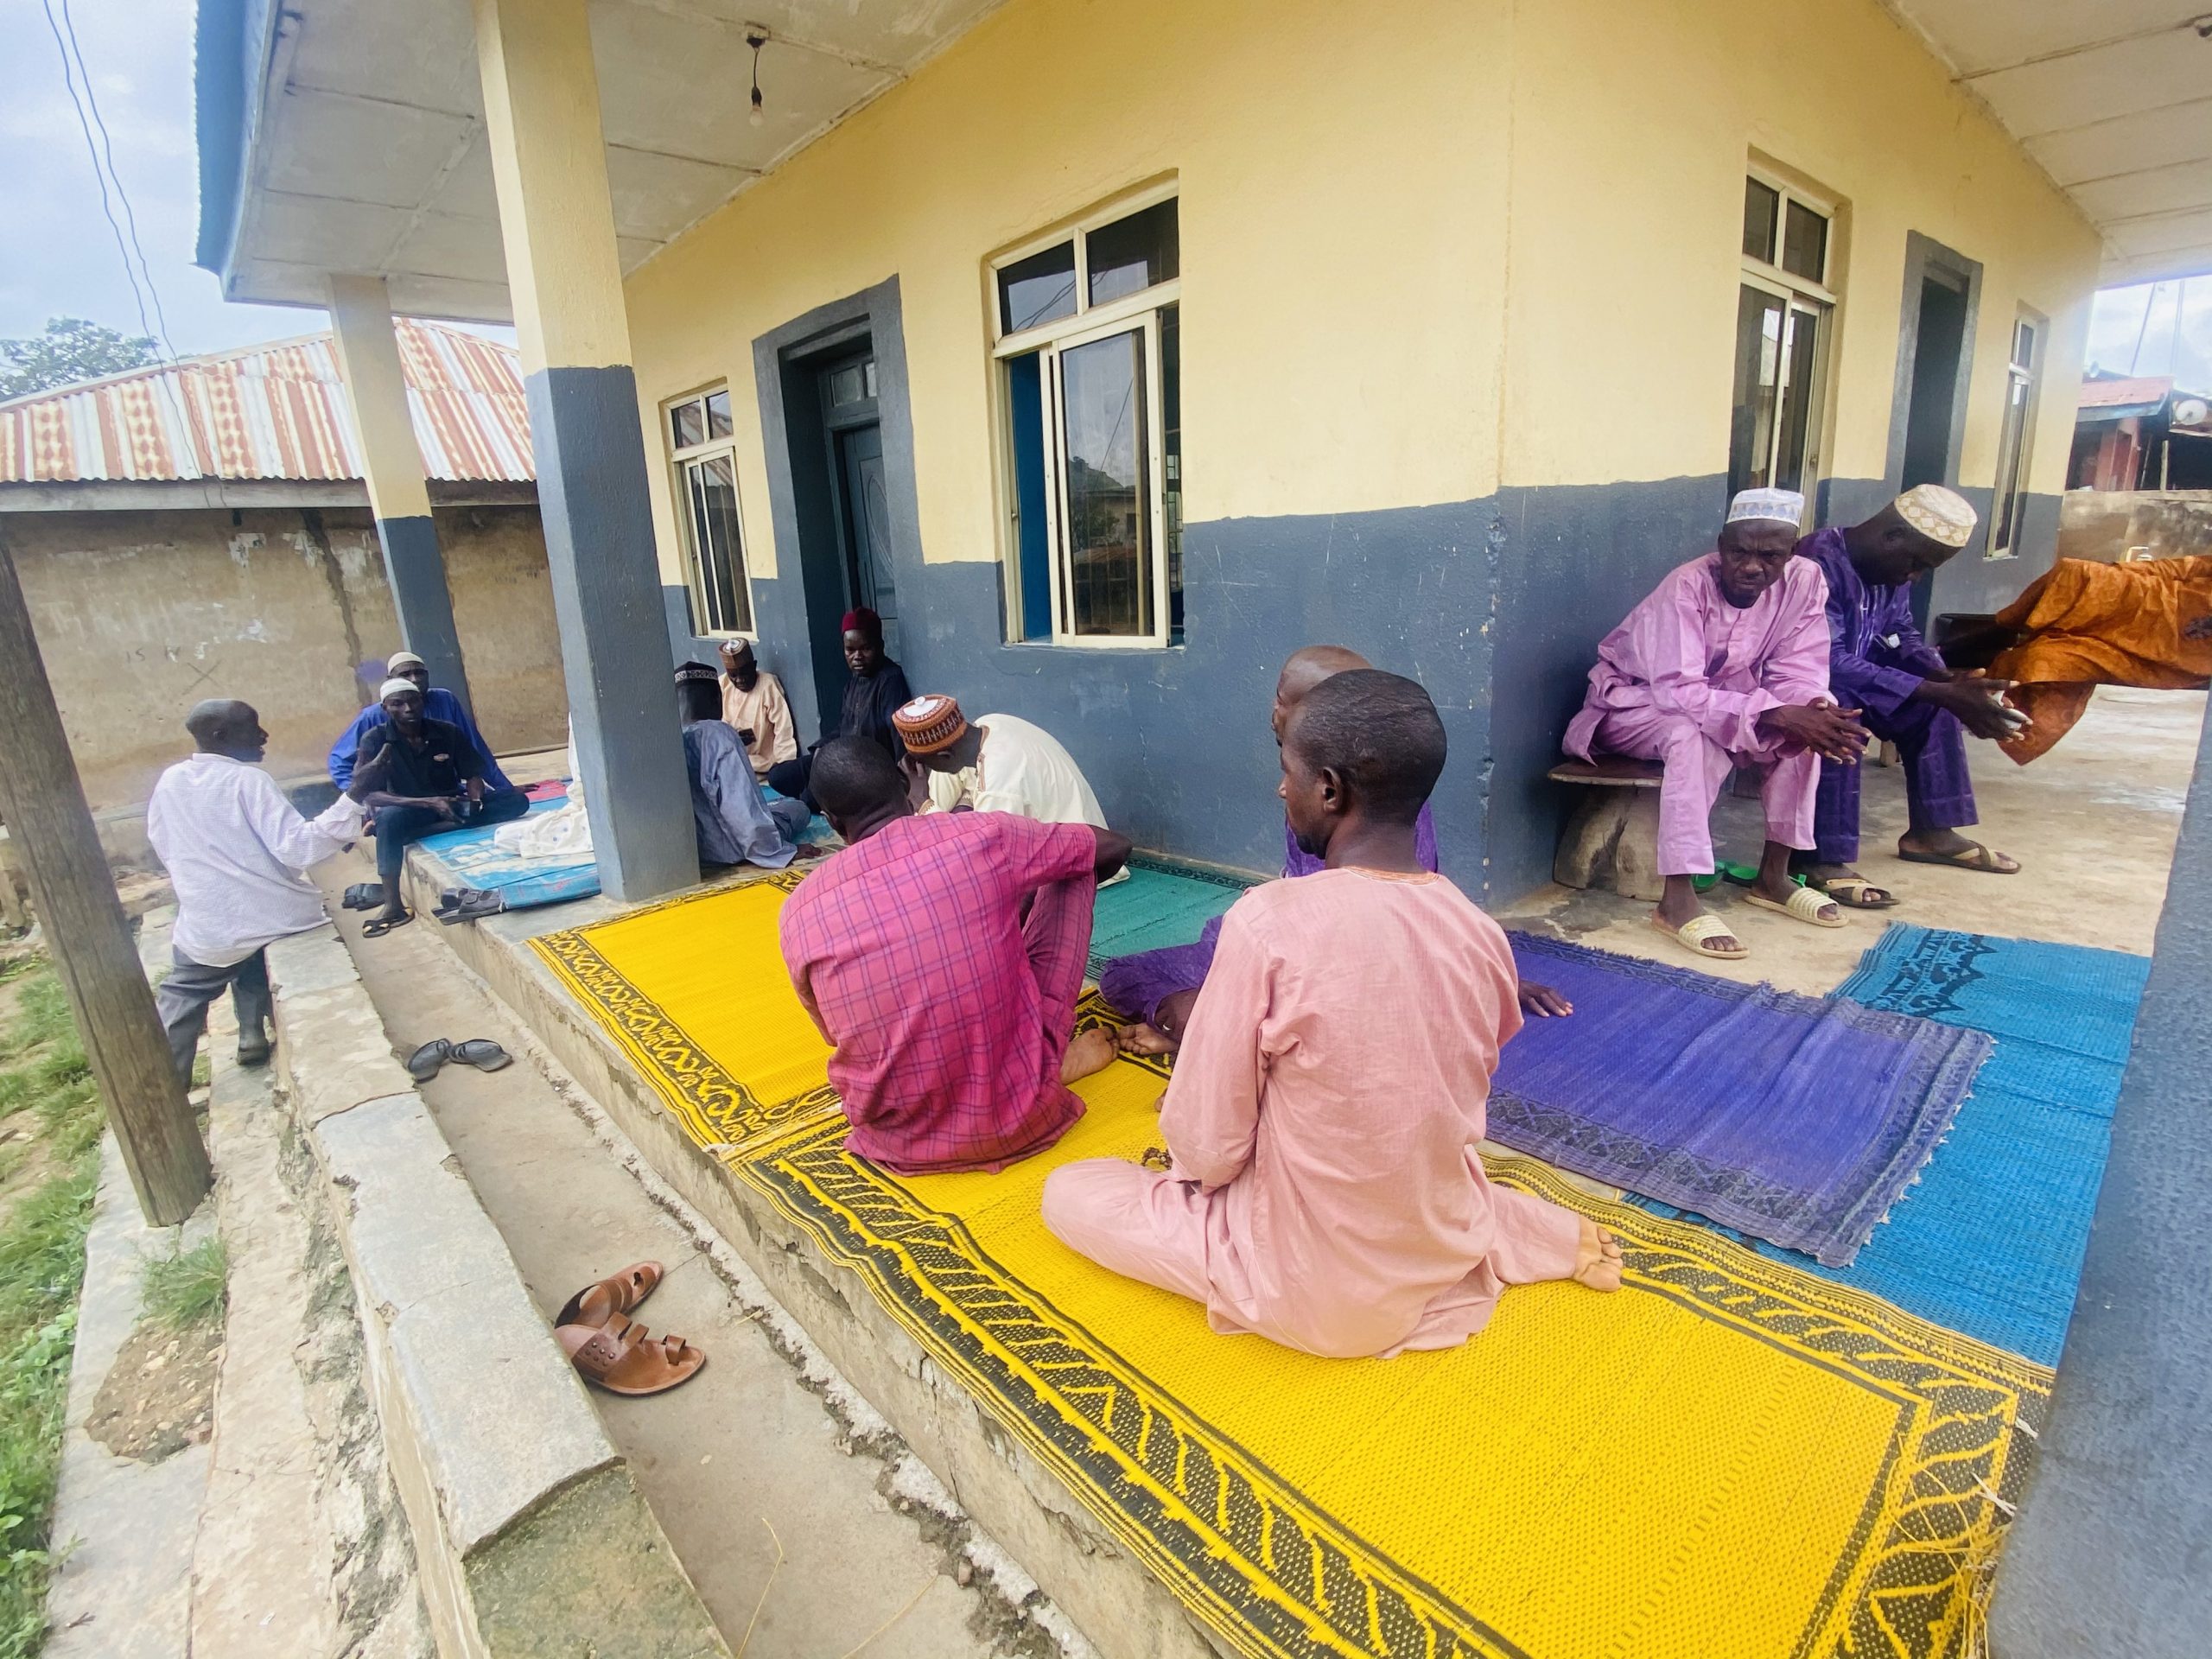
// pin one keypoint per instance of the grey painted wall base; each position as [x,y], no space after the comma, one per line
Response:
[2111,1550]
[416,570]
[607,594]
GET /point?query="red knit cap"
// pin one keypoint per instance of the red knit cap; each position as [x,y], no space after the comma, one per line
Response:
[929,724]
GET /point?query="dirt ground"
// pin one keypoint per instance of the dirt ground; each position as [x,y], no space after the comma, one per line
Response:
[160,1394]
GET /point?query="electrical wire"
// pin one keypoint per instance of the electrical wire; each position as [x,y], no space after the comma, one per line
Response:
[129,218]
[131,272]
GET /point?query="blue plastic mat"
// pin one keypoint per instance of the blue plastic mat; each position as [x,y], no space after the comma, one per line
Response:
[1990,1240]
[526,883]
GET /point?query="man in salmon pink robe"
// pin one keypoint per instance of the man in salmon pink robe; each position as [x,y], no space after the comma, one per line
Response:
[1726,664]
[1326,1191]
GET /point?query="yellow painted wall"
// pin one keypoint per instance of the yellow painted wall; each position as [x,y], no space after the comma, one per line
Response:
[1427,248]
[1632,125]
[1342,191]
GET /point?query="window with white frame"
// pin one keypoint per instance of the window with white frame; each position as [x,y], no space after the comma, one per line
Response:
[1087,350]
[704,461]
[2015,439]
[1784,310]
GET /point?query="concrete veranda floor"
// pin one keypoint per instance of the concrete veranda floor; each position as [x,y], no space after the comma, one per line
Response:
[2092,824]
[748,1461]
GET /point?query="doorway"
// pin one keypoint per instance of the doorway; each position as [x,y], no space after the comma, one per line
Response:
[1939,342]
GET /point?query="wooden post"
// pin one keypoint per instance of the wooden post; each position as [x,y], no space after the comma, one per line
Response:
[73,893]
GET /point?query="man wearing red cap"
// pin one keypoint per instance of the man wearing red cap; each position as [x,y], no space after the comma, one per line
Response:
[875,688]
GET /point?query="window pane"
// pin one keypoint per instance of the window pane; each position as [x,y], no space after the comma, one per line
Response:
[1038,288]
[2010,443]
[1805,243]
[716,551]
[1108,570]
[1758,367]
[687,424]
[718,414]
[2023,345]
[1802,355]
[847,385]
[1025,401]
[1133,253]
[1760,205]
[1171,441]
[867,378]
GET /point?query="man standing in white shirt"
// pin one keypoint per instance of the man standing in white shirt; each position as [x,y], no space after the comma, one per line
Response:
[236,851]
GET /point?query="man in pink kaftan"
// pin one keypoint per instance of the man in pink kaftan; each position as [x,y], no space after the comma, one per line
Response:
[1725,664]
[1325,1192]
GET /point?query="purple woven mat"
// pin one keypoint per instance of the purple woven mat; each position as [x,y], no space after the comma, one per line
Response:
[1798,1119]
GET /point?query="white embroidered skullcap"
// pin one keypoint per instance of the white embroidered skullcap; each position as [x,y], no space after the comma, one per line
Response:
[392,687]
[400,659]
[1767,506]
[1944,517]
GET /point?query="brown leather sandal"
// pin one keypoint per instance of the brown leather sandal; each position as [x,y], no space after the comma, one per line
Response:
[623,1358]
[595,1304]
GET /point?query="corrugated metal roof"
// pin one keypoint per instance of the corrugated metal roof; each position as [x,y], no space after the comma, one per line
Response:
[276,412]
[2141,388]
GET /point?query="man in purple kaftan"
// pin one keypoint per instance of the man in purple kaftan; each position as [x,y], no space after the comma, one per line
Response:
[1879,664]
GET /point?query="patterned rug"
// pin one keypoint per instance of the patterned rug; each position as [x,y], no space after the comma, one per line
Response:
[1732,1456]
[1990,1239]
[1799,1120]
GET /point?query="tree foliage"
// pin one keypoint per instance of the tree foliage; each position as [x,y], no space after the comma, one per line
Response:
[70,349]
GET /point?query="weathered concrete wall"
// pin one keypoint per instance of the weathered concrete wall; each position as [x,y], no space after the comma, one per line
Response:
[140,614]
[2105,523]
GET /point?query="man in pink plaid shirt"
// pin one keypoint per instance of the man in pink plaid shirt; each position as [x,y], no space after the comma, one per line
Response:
[942,955]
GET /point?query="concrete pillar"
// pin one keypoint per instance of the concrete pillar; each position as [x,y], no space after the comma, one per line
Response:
[548,164]
[392,463]
[2109,1553]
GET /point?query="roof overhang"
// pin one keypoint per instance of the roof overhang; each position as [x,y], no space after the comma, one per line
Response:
[240,494]
[2113,99]
[349,137]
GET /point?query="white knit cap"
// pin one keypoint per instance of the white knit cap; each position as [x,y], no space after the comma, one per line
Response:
[1944,517]
[400,659]
[394,686]
[1767,506]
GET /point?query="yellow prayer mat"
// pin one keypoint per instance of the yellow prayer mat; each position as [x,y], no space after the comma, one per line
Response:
[1728,1457]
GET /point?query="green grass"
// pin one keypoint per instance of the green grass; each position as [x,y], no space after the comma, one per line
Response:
[43,1074]
[183,1292]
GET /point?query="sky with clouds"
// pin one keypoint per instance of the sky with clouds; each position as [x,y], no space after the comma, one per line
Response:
[59,258]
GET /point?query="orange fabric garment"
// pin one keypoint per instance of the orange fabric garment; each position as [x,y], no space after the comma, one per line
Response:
[2090,624]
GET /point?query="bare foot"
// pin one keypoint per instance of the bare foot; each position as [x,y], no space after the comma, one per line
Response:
[1145,1039]
[1597,1258]
[1089,1052]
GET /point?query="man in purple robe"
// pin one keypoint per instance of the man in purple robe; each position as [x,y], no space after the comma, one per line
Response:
[1159,987]
[1879,664]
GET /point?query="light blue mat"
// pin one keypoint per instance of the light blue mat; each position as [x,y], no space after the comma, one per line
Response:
[527,883]
[1990,1240]
[1160,904]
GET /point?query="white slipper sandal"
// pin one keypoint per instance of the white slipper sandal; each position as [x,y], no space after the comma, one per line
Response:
[1691,935]
[1804,905]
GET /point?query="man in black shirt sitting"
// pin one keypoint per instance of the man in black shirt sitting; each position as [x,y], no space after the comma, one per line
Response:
[423,776]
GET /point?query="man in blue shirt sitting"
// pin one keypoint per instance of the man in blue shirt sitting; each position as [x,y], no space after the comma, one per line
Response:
[438,703]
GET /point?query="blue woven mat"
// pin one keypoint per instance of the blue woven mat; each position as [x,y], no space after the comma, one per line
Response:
[1990,1240]
[1799,1119]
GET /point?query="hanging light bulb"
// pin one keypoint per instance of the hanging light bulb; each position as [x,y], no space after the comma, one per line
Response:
[757,39]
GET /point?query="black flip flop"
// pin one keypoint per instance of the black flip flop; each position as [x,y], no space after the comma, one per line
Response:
[377,928]
[423,1064]
[470,904]
[364,895]
[482,1053]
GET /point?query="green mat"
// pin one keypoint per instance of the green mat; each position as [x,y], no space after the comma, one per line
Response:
[1160,904]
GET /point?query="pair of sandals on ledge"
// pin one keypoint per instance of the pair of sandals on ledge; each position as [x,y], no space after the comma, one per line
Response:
[611,1351]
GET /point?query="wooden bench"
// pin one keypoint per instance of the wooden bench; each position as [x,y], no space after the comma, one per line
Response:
[1612,840]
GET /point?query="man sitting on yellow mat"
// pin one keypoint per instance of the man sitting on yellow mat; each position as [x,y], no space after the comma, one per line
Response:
[1328,1098]
[943,954]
